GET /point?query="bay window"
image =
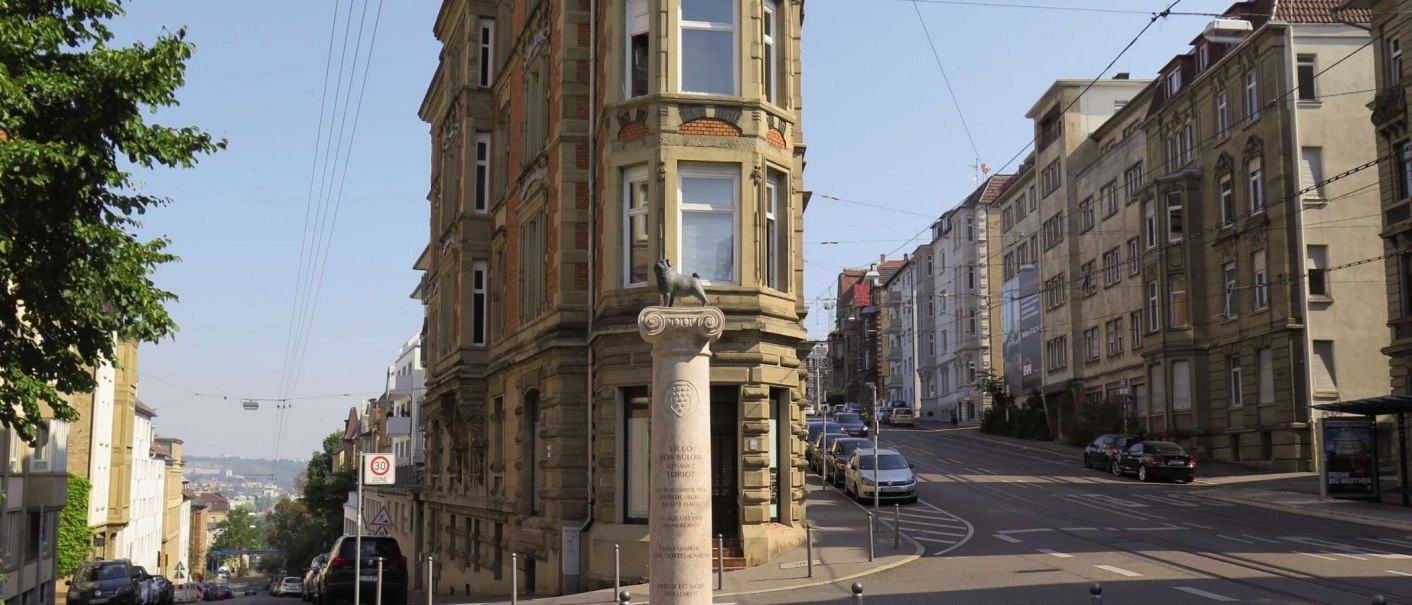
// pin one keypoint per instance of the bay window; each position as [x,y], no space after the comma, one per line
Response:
[707,57]
[708,195]
[770,24]
[636,45]
[479,282]
[774,205]
[636,260]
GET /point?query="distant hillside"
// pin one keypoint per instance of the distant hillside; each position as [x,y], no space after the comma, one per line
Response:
[259,469]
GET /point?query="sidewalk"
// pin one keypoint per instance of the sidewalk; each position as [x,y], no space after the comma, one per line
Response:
[1289,492]
[840,555]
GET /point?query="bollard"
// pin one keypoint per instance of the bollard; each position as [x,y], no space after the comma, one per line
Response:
[617,570]
[896,526]
[514,578]
[624,598]
[1095,593]
[378,598]
[857,593]
[1379,599]
[870,537]
[430,587]
[809,547]
[720,561]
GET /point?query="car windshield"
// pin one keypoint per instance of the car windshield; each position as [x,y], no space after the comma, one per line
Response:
[293,579]
[902,412]
[95,573]
[847,447]
[847,418]
[887,462]
[1169,449]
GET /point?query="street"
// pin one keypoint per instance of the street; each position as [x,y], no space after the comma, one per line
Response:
[1006,523]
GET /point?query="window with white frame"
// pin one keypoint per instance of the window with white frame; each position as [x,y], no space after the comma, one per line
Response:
[636,44]
[1227,196]
[1154,301]
[1394,61]
[1175,217]
[1113,330]
[707,56]
[1311,172]
[1257,185]
[1135,325]
[1252,96]
[1223,116]
[39,454]
[1179,313]
[1203,56]
[1260,281]
[1181,385]
[1091,344]
[1234,378]
[1305,74]
[1132,181]
[1134,256]
[636,260]
[709,195]
[1267,376]
[1112,268]
[482,200]
[775,206]
[1056,352]
[770,24]
[1108,196]
[1088,278]
[479,316]
[487,53]
[1232,300]
[1149,223]
[637,441]
[970,277]
[1324,381]
[1086,220]
[1318,271]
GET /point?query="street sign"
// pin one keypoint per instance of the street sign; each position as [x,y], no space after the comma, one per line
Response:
[1123,386]
[379,469]
[1127,400]
[382,518]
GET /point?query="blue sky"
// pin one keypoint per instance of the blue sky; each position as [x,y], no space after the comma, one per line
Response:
[879,124]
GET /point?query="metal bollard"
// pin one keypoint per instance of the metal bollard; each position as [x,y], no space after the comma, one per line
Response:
[896,526]
[624,598]
[514,578]
[378,598]
[617,570]
[430,587]
[1095,593]
[809,547]
[870,537]
[1379,599]
[720,561]
[857,593]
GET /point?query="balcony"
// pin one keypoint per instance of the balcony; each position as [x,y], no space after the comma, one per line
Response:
[1401,330]
[1389,106]
[399,425]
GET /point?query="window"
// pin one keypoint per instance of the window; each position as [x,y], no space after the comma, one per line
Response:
[36,536]
[1318,271]
[637,43]
[1223,116]
[482,171]
[1404,290]
[1049,178]
[1203,56]
[1086,215]
[1305,73]
[1402,179]
[487,53]
[1153,302]
[637,441]
[1228,278]
[970,277]
[1324,383]
[536,451]
[1184,143]
[1181,386]
[1132,181]
[1049,129]
[1394,61]
[774,204]
[1134,256]
[708,195]
[1112,268]
[1091,344]
[39,456]
[1234,388]
[1053,231]
[1267,377]
[970,229]
[1054,292]
[1119,104]
[1149,223]
[770,24]
[1089,277]
[1109,196]
[1174,217]
[533,259]
[1113,330]
[535,128]
[636,259]
[478,302]
[1260,280]
[1252,96]
[930,266]
[1174,82]
[1033,197]
[1227,198]
[707,57]
[1179,316]
[1056,352]
[1311,172]
[1135,324]
[1257,186]
[971,322]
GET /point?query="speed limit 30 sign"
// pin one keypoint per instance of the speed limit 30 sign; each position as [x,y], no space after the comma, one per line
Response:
[379,469]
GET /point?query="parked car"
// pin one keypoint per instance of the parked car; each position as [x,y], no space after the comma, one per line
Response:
[311,578]
[163,591]
[1155,460]
[336,578]
[816,428]
[885,411]
[836,458]
[814,453]
[224,592]
[852,424]
[114,582]
[151,588]
[893,479]
[291,587]
[838,408]
[901,417]
[1105,448]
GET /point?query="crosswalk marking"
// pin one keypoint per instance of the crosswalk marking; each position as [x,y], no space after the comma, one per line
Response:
[1120,571]
[1054,553]
[1201,593]
[1390,541]
[1234,539]
[1009,539]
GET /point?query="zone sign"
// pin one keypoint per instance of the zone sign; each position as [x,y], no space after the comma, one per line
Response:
[379,469]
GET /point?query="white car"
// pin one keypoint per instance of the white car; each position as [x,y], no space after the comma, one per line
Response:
[291,587]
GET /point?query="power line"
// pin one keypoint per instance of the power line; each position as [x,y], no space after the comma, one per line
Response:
[950,91]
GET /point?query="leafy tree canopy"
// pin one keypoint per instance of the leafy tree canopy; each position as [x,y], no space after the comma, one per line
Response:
[72,271]
[241,530]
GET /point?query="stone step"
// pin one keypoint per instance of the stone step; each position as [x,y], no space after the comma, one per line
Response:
[732,563]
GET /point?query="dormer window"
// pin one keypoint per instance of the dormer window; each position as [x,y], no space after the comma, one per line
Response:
[1174,82]
[1203,57]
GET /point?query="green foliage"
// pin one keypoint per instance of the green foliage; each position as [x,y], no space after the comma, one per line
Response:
[1004,417]
[72,114]
[835,395]
[306,527]
[241,530]
[1097,418]
[74,536]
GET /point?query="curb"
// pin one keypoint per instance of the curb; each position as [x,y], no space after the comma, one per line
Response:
[1314,512]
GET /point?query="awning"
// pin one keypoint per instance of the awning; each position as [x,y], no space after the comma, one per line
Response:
[1372,406]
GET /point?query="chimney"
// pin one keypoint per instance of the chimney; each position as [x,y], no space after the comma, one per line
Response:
[1122,75]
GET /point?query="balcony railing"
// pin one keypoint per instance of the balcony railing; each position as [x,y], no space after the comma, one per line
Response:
[1389,104]
[1401,329]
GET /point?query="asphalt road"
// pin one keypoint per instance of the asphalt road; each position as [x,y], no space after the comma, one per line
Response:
[1009,524]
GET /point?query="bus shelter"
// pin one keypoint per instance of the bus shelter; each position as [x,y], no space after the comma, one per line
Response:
[1398,406]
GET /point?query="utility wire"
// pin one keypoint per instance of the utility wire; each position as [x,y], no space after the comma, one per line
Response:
[949,90]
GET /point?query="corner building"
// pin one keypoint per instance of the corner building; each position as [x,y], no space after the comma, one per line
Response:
[574,144]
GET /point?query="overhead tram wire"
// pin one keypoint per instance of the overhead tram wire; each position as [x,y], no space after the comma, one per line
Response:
[950,91]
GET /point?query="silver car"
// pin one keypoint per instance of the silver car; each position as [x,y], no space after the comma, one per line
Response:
[892,481]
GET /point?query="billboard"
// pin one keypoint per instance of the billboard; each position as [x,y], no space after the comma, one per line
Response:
[1023,345]
[1350,457]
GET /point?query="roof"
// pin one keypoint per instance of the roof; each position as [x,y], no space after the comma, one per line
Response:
[216,502]
[889,268]
[1315,11]
[157,450]
[1372,406]
[350,426]
[145,410]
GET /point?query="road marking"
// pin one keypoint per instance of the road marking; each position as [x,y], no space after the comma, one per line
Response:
[1348,549]
[1037,530]
[1171,501]
[935,533]
[1201,593]
[1390,541]
[1078,529]
[1310,554]
[936,540]
[1167,527]
[1400,573]
[909,523]
[1053,553]
[1261,539]
[1339,554]
[1234,539]
[1009,539]
[1120,571]
[1200,526]
[1107,510]
[1110,529]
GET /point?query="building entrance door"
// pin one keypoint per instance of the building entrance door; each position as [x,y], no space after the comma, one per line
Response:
[725,462]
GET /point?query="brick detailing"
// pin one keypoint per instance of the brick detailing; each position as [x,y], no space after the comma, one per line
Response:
[632,131]
[710,127]
[775,138]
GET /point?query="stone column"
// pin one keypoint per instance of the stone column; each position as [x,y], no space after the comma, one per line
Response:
[679,517]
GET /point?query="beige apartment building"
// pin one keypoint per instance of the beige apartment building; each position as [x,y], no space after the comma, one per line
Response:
[176,513]
[569,154]
[100,445]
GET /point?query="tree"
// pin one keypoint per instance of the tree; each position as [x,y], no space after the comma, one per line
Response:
[71,268]
[290,528]
[74,535]
[241,530]
[325,491]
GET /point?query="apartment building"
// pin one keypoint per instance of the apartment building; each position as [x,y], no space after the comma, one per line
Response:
[571,150]
[35,486]
[141,540]
[176,511]
[100,445]
[850,341]
[1263,280]
[899,322]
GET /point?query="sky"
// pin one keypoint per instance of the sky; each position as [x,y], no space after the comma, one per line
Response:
[880,126]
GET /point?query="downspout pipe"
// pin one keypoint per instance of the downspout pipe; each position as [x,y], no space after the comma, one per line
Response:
[592,268]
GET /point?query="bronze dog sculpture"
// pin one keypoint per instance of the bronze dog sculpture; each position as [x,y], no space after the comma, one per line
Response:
[671,284]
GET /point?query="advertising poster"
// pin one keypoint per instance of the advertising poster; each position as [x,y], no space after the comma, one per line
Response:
[1350,457]
[1024,343]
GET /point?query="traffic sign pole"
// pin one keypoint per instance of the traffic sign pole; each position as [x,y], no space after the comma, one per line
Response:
[358,540]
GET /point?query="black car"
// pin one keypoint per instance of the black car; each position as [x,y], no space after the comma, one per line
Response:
[815,429]
[1105,448]
[113,582]
[852,424]
[816,449]
[336,578]
[1155,460]
[836,458]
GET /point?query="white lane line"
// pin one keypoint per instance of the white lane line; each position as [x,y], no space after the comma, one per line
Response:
[917,524]
[1120,571]
[1210,595]
[1036,530]
[1200,526]
[1234,539]
[1171,501]
[1381,554]
[1168,527]
[1400,573]
[936,540]
[1078,529]
[1310,554]
[1009,539]
[1054,553]
[1260,539]
[1110,529]
[935,533]
[1356,557]
[1389,541]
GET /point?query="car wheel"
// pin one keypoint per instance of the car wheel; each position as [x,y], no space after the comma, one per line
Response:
[1142,473]
[1116,469]
[1188,479]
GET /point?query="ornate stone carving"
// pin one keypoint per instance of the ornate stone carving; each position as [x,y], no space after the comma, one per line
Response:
[1224,163]
[1253,146]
